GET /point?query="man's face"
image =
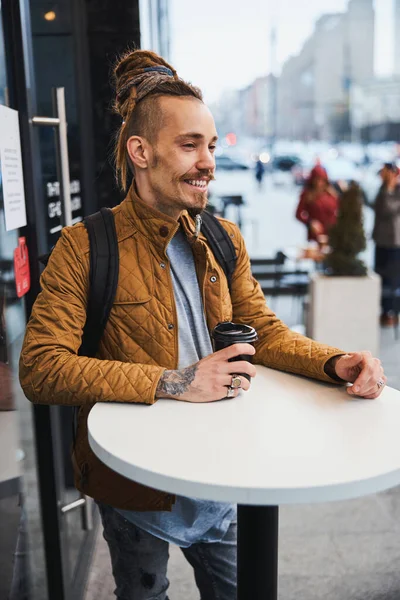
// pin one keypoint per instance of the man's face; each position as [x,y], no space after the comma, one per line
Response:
[388,176]
[385,174]
[319,184]
[182,161]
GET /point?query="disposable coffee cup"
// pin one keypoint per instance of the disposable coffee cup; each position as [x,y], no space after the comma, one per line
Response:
[228,333]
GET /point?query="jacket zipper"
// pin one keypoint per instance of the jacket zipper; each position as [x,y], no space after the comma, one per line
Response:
[198,226]
[198,223]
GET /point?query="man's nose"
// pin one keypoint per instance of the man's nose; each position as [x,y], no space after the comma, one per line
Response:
[206,161]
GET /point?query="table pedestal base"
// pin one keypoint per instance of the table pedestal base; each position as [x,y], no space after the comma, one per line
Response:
[257,552]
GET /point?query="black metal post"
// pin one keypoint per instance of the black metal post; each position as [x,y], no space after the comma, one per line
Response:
[257,552]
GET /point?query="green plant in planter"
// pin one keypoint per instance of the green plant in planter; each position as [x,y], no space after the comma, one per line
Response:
[347,237]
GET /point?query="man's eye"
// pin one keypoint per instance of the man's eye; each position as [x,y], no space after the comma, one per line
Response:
[212,148]
[189,146]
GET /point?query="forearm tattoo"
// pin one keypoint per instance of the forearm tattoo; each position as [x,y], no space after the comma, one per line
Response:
[176,383]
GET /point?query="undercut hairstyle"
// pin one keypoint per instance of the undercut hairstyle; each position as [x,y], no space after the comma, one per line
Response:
[141,78]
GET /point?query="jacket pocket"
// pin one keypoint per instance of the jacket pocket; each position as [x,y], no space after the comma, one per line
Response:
[131,323]
[136,278]
[139,298]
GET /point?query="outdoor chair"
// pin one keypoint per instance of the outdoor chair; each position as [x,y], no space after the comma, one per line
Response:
[275,281]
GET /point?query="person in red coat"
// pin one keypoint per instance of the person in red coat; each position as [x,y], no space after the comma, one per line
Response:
[318,205]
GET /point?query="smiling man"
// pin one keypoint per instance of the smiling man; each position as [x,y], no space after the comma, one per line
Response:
[171,293]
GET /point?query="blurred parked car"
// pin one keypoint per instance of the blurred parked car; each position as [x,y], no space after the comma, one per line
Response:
[285,162]
[229,164]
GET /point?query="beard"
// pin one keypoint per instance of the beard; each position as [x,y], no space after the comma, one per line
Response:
[193,211]
[167,203]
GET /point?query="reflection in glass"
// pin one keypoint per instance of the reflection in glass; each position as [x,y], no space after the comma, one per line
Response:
[54,64]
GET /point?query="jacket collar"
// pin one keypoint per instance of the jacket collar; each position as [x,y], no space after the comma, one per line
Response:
[158,227]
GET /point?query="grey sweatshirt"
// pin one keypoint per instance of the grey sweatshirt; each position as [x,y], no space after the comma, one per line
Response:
[386,231]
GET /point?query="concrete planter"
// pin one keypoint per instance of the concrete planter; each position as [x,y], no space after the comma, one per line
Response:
[344,311]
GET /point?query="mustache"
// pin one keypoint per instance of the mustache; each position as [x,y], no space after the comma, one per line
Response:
[209,174]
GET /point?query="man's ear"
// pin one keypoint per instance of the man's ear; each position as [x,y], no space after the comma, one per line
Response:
[138,151]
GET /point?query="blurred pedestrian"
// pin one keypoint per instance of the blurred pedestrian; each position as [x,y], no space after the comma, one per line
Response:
[260,170]
[386,234]
[318,205]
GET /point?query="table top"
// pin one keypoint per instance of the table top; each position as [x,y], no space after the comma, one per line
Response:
[288,440]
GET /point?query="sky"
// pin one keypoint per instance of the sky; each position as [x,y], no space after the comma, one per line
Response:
[225,44]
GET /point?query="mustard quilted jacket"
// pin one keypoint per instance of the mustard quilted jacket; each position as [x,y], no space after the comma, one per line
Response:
[141,336]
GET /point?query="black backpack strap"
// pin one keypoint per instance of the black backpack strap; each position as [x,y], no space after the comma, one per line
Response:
[103,281]
[44,258]
[103,277]
[220,243]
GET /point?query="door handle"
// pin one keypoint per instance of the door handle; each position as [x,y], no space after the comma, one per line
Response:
[85,503]
[59,122]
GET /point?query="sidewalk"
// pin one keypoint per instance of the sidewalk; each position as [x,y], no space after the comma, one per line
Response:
[337,551]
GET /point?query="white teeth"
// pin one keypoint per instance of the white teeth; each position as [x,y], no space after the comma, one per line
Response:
[200,183]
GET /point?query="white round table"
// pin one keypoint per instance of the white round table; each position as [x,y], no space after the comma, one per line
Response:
[288,440]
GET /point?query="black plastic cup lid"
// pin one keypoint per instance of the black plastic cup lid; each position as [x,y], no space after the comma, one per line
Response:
[245,333]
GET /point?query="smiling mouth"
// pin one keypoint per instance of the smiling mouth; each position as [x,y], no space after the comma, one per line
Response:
[199,185]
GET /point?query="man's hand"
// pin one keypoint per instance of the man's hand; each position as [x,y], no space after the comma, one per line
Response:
[208,379]
[362,370]
[316,227]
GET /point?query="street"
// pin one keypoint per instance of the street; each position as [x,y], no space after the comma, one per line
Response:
[268,217]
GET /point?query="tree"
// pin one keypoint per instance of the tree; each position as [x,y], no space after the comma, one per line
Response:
[347,236]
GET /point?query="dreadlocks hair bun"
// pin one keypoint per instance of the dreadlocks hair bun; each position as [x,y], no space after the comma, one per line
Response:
[130,74]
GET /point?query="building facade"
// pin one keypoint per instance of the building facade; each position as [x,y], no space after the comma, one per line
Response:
[314,86]
[375,109]
[250,111]
[259,118]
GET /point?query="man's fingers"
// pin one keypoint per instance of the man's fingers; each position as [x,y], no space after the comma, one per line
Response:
[371,389]
[227,380]
[236,350]
[371,373]
[366,377]
[371,396]
[227,393]
[363,392]
[240,366]
[353,359]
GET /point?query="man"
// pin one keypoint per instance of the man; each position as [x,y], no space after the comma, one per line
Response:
[168,277]
[386,235]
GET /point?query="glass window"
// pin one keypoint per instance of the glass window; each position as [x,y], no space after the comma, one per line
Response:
[54,66]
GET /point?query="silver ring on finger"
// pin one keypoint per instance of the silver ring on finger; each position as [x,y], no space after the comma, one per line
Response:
[380,383]
[231,392]
[236,382]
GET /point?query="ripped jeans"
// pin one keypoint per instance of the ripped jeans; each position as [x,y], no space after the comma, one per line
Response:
[139,561]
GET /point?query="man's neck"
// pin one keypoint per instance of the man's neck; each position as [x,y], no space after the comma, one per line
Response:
[147,195]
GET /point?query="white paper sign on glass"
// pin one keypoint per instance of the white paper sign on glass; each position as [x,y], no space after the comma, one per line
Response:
[11,169]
